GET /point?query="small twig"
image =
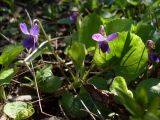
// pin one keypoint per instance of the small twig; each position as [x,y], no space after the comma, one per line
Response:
[90,113]
[27,71]
[87,73]
[64,114]
[41,45]
[36,85]
[39,99]
[92,116]
[6,38]
[59,60]
[29,17]
[61,63]
[98,111]
[69,63]
[16,81]
[56,44]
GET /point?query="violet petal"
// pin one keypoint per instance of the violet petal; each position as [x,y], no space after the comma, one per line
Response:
[153,57]
[34,30]
[112,36]
[24,29]
[28,42]
[35,43]
[98,37]
[104,46]
[73,18]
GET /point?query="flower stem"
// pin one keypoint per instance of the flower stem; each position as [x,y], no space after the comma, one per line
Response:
[58,58]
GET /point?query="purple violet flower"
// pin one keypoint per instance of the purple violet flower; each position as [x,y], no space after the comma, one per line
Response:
[73,18]
[31,36]
[73,15]
[153,57]
[103,41]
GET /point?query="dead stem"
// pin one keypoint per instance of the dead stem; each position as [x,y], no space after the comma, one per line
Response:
[64,114]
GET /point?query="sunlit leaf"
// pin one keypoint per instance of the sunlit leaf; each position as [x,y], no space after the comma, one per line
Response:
[156,89]
[128,56]
[19,110]
[134,2]
[120,83]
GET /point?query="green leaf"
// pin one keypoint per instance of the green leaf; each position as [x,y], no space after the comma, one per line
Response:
[154,106]
[120,83]
[141,98]
[130,104]
[10,3]
[99,82]
[48,83]
[90,25]
[134,2]
[118,25]
[121,3]
[18,110]
[64,21]
[10,53]
[95,106]
[151,116]
[128,56]
[72,105]
[151,86]
[90,4]
[143,30]
[77,53]
[6,75]
[102,81]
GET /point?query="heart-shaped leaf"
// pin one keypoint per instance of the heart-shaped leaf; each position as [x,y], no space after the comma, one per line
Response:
[19,110]
[128,56]
[120,83]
